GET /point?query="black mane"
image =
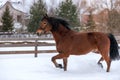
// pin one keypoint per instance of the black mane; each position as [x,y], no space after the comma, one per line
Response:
[56,21]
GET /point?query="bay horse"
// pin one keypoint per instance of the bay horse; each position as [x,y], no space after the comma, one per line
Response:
[69,42]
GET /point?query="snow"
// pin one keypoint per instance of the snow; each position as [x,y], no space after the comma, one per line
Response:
[26,67]
[26,48]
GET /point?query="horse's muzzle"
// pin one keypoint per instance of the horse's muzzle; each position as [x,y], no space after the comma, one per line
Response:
[39,32]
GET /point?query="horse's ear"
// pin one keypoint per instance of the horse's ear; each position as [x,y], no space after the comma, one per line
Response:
[46,16]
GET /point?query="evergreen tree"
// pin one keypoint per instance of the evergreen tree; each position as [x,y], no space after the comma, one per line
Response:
[67,10]
[36,13]
[7,20]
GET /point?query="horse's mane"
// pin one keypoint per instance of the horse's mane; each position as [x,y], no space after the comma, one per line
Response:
[56,21]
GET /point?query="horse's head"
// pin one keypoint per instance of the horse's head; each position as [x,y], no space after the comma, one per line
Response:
[52,24]
[44,25]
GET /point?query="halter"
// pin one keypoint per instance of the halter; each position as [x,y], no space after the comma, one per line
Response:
[44,27]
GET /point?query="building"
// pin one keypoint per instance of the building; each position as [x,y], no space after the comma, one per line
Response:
[18,12]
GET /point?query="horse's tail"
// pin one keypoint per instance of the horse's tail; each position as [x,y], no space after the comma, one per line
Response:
[114,53]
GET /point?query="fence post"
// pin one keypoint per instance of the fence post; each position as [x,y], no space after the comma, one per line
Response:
[36,46]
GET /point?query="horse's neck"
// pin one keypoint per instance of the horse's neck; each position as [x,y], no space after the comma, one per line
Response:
[58,35]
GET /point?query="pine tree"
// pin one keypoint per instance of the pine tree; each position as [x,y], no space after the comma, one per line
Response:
[7,20]
[36,13]
[67,10]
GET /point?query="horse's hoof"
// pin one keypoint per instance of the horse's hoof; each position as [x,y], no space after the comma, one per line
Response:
[60,66]
[100,64]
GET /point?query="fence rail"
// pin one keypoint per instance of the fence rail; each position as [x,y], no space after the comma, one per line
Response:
[26,42]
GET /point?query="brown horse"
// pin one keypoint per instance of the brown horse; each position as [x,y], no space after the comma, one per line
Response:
[69,42]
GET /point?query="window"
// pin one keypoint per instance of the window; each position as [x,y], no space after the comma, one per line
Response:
[19,19]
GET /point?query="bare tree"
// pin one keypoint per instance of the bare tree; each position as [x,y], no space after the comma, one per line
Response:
[113,22]
[108,14]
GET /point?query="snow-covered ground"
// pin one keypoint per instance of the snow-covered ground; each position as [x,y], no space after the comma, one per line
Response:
[26,67]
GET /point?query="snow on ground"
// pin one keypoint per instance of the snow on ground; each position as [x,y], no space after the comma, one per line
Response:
[26,67]
[27,48]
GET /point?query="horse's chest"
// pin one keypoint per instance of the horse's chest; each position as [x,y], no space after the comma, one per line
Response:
[63,46]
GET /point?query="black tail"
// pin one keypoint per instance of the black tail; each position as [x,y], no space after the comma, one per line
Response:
[114,53]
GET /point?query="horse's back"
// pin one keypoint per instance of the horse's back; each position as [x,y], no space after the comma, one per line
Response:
[86,42]
[95,40]
[101,40]
[82,43]
[93,37]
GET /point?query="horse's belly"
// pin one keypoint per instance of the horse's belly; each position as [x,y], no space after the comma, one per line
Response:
[81,51]
[75,49]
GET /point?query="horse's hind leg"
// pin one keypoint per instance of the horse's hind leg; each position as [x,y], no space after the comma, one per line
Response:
[106,57]
[108,61]
[99,62]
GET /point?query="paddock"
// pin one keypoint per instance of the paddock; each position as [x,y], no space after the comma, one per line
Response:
[25,66]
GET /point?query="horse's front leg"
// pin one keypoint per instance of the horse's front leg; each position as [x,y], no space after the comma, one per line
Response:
[65,63]
[60,56]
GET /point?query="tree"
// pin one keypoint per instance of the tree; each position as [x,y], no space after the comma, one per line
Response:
[67,10]
[112,21]
[7,20]
[91,23]
[36,13]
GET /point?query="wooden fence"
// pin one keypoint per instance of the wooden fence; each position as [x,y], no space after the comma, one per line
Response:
[26,42]
[8,41]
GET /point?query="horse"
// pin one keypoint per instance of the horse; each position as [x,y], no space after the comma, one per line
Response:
[70,42]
